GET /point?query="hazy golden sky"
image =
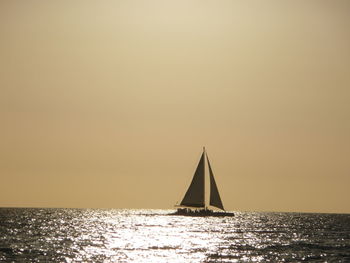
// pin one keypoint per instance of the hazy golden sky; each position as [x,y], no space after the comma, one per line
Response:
[108,103]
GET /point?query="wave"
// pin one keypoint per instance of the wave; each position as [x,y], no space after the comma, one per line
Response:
[308,246]
[297,246]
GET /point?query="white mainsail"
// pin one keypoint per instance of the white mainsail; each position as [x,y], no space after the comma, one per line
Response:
[195,195]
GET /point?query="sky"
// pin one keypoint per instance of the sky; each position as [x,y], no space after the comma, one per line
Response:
[107,104]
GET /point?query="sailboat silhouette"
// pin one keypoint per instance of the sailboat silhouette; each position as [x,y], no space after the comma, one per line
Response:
[194,202]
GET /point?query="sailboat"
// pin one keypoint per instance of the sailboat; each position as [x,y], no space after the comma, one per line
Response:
[194,202]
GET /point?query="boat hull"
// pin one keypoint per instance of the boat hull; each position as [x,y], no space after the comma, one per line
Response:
[201,213]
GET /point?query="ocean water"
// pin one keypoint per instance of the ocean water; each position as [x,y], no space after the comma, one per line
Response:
[107,235]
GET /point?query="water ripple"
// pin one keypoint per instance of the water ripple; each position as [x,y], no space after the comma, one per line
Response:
[97,235]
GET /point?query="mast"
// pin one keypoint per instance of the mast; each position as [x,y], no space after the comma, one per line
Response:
[204,184]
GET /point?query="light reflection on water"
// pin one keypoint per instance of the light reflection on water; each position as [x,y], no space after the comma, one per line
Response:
[73,235]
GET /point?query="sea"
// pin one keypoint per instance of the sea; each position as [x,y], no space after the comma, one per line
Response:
[112,235]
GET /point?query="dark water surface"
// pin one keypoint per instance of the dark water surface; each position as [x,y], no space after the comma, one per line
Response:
[97,235]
